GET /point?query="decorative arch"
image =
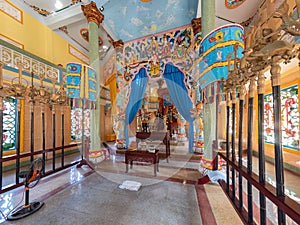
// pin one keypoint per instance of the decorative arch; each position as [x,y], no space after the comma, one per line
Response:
[175,80]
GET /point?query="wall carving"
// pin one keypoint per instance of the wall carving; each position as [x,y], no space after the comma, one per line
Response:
[13,58]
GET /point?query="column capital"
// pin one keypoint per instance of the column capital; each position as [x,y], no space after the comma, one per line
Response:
[252,87]
[118,44]
[261,83]
[197,25]
[242,92]
[275,70]
[233,95]
[228,100]
[92,13]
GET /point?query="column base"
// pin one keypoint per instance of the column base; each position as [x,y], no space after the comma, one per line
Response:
[210,174]
[120,143]
[209,164]
[203,180]
[84,162]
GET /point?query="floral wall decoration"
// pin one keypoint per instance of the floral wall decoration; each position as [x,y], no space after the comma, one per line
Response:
[9,124]
[289,119]
[76,123]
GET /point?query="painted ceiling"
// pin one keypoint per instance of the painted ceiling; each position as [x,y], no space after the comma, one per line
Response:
[129,20]
[143,18]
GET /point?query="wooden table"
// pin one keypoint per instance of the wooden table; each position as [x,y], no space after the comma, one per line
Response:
[142,156]
[164,137]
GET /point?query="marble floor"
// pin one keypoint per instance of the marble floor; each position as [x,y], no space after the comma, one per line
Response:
[86,196]
[93,196]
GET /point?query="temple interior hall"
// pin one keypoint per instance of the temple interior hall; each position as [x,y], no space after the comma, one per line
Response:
[145,112]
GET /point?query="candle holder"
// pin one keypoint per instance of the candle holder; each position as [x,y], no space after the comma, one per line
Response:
[17,89]
[33,91]
[43,93]
[59,97]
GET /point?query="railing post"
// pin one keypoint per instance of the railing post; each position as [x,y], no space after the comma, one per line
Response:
[261,145]
[62,139]
[18,141]
[240,144]
[228,102]
[32,95]
[43,138]
[233,143]
[53,137]
[32,132]
[82,130]
[279,171]
[249,148]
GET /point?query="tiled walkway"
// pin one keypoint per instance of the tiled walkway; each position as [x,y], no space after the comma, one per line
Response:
[83,196]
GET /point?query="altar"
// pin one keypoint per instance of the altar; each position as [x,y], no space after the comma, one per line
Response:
[142,156]
[151,138]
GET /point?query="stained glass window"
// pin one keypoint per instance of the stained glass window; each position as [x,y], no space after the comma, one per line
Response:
[289,118]
[76,123]
[9,124]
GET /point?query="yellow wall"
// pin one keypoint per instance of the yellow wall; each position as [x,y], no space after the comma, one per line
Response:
[36,38]
[40,41]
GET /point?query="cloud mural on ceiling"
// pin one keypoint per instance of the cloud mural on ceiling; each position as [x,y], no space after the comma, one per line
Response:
[134,19]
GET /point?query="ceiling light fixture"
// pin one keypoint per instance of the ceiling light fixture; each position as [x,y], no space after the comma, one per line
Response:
[101,8]
[58,4]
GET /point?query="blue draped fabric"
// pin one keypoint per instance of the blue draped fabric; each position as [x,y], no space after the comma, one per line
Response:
[138,88]
[179,94]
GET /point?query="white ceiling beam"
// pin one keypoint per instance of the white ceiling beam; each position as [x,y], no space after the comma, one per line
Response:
[199,9]
[106,28]
[65,17]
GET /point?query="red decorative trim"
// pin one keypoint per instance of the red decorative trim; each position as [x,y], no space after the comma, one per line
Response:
[206,212]
[203,180]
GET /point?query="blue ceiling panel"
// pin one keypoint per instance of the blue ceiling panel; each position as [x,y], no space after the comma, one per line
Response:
[133,19]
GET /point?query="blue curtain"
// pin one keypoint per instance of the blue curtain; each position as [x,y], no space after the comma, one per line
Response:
[138,88]
[179,94]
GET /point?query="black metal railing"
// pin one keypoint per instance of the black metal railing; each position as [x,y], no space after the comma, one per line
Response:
[17,157]
[233,187]
[284,203]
